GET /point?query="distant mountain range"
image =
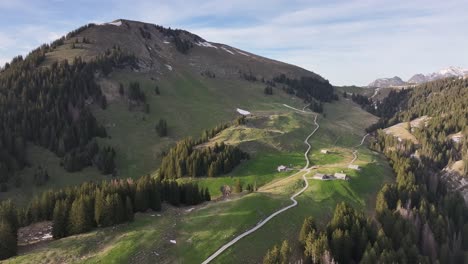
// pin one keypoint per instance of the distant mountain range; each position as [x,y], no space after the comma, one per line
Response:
[420,78]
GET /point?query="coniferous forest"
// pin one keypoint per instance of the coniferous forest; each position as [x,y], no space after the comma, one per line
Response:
[187,160]
[79,209]
[49,106]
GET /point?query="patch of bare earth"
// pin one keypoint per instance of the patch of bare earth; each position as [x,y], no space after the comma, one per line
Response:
[34,236]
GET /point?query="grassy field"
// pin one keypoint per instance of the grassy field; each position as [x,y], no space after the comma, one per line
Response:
[258,171]
[341,129]
[189,103]
[199,232]
[138,241]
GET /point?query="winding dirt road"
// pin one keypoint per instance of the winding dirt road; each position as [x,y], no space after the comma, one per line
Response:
[355,151]
[304,170]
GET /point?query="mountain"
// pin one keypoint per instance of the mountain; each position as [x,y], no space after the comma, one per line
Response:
[387,82]
[157,48]
[420,78]
[113,98]
[444,73]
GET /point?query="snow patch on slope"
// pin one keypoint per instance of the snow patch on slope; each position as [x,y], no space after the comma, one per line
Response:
[206,44]
[225,49]
[115,23]
[242,53]
[169,67]
[242,112]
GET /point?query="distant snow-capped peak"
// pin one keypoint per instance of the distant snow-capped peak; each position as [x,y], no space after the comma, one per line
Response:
[456,71]
[444,73]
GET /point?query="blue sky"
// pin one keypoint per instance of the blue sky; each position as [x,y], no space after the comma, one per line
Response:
[347,42]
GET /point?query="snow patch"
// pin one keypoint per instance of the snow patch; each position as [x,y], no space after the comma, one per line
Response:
[242,53]
[190,210]
[206,44]
[169,67]
[173,241]
[242,112]
[166,42]
[115,23]
[47,236]
[227,50]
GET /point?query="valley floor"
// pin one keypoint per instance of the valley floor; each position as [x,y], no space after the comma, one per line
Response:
[274,137]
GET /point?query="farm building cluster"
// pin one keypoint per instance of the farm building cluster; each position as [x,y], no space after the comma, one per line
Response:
[282,168]
[329,177]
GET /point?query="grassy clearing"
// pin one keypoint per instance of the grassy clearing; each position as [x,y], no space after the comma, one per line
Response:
[39,156]
[259,170]
[133,242]
[202,232]
[188,102]
[341,129]
[319,200]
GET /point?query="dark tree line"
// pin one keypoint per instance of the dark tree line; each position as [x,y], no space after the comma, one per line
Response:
[161,128]
[187,159]
[48,106]
[316,106]
[278,254]
[208,73]
[79,209]
[182,39]
[308,88]
[417,220]
[446,103]
[268,90]
[135,93]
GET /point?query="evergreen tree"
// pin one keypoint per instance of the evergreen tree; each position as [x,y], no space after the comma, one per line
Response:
[307,227]
[285,252]
[238,186]
[60,219]
[79,219]
[161,128]
[8,246]
[129,209]
[99,207]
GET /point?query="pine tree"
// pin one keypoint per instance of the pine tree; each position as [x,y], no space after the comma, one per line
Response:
[285,252]
[60,219]
[108,216]
[207,195]
[8,246]
[238,186]
[129,209]
[307,227]
[118,208]
[99,207]
[79,221]
[141,197]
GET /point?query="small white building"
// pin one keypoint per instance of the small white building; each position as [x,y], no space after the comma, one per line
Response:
[282,168]
[324,151]
[354,167]
[341,176]
[243,112]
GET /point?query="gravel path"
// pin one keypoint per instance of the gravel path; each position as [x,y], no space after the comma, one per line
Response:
[304,170]
[355,151]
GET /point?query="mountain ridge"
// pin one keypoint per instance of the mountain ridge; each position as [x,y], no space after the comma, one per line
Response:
[419,78]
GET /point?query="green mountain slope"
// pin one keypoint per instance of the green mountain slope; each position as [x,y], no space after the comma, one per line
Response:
[200,84]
